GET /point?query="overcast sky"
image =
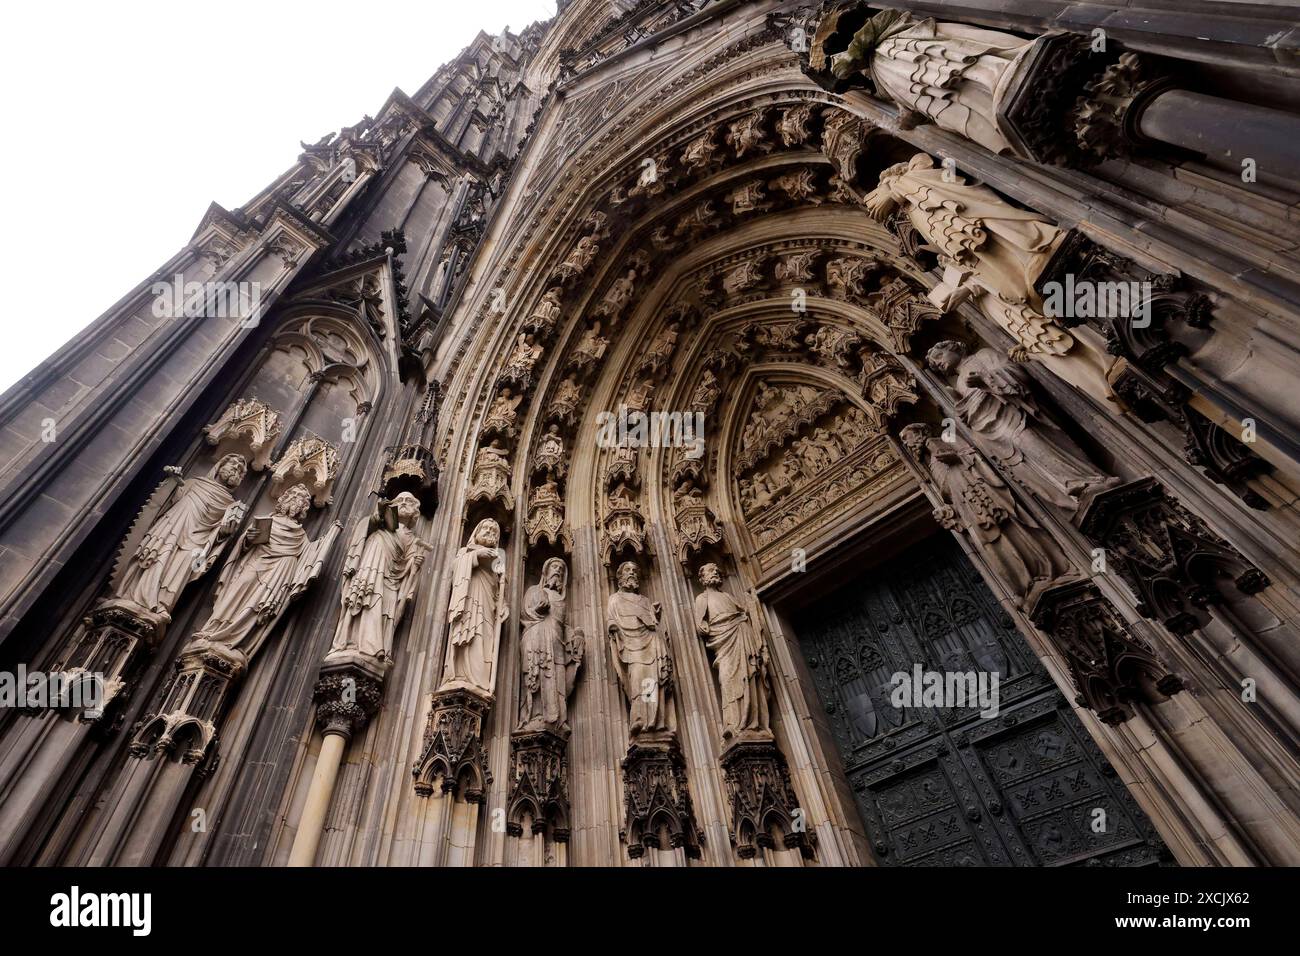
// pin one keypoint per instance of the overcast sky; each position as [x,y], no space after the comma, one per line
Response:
[124,119]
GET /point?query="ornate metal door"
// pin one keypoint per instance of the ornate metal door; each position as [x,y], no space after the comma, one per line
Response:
[941,786]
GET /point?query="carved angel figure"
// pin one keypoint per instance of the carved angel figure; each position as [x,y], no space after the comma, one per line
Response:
[547,313]
[590,347]
[503,412]
[619,294]
[564,405]
[519,367]
[661,349]
[706,393]
[579,258]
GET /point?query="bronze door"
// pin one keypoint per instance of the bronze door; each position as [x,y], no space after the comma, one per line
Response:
[943,786]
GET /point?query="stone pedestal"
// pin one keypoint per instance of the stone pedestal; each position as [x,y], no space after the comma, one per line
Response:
[453,745]
[108,648]
[761,797]
[1111,666]
[89,685]
[656,798]
[347,693]
[168,747]
[539,784]
[184,725]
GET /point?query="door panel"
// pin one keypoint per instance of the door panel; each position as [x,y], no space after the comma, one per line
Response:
[943,786]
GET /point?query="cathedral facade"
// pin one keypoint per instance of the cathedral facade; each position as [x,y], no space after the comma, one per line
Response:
[697,433]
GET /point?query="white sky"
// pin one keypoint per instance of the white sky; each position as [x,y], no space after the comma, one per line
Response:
[123,120]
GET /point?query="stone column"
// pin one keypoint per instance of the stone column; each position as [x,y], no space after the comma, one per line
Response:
[169,746]
[102,656]
[347,693]
[1128,105]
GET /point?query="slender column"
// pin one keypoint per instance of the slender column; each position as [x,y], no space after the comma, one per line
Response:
[1224,130]
[318,800]
[347,694]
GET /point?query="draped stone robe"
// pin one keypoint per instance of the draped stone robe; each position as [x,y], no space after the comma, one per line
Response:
[375,595]
[740,658]
[952,72]
[178,547]
[256,586]
[983,507]
[994,399]
[475,620]
[549,658]
[642,659]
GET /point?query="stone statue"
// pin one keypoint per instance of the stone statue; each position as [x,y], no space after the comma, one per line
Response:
[993,254]
[706,393]
[380,577]
[619,294]
[641,656]
[638,398]
[476,610]
[950,72]
[547,313]
[184,542]
[550,653]
[503,412]
[994,398]
[739,656]
[978,503]
[579,258]
[661,349]
[519,366]
[590,347]
[564,405]
[273,565]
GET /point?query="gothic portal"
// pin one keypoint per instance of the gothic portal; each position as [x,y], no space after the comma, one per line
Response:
[733,433]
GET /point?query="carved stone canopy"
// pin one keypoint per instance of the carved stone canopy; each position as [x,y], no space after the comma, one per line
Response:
[311,461]
[1112,667]
[249,427]
[1173,563]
